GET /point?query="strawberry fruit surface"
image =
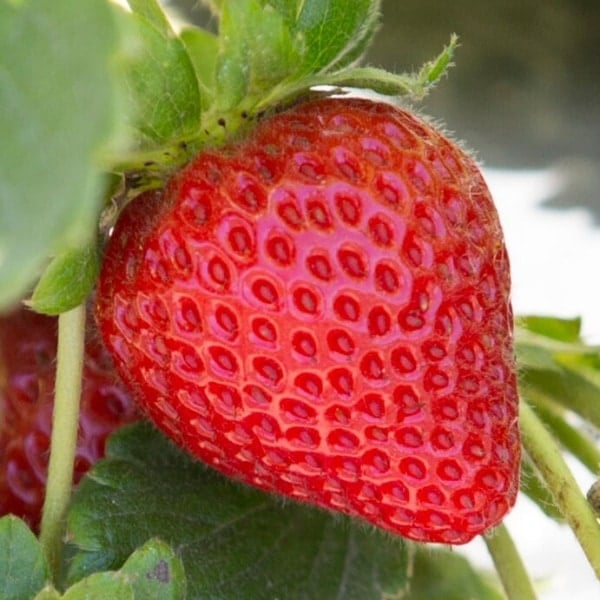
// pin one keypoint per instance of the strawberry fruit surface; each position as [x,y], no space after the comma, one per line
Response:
[27,364]
[322,310]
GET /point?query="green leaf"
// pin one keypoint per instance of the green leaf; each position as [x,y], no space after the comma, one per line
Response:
[557,365]
[98,586]
[288,9]
[536,490]
[569,388]
[562,330]
[585,362]
[274,49]
[202,48]
[255,52]
[582,382]
[162,93]
[154,571]
[67,281]
[535,356]
[444,574]
[230,537]
[329,34]
[48,593]
[58,104]
[572,438]
[23,567]
[335,33]
[540,339]
[153,13]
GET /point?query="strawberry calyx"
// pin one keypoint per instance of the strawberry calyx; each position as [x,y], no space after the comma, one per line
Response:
[184,91]
[266,56]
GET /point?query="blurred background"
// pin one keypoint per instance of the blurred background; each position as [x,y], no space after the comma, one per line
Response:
[525,95]
[525,90]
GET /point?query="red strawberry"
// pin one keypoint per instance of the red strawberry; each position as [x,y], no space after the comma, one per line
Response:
[27,363]
[322,311]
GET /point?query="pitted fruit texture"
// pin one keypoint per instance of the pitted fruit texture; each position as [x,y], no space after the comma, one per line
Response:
[27,376]
[322,311]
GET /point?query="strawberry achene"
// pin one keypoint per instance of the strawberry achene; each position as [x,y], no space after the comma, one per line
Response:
[322,310]
[27,374]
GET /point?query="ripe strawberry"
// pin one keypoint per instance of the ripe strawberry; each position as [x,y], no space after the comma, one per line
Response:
[27,363]
[322,310]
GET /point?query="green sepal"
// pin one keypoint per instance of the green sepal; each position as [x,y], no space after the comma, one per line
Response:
[279,49]
[151,11]
[330,34]
[66,281]
[358,79]
[161,93]
[202,47]
[256,51]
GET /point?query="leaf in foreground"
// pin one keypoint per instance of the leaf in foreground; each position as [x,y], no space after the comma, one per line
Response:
[23,567]
[98,586]
[152,571]
[230,537]
[57,102]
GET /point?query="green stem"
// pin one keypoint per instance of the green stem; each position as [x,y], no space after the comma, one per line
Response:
[568,387]
[547,457]
[536,489]
[65,420]
[509,565]
[573,440]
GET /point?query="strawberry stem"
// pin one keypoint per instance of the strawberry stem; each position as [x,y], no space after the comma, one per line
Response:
[65,420]
[415,85]
[509,565]
[572,439]
[547,457]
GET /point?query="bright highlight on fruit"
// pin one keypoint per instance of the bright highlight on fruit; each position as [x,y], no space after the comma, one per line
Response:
[322,311]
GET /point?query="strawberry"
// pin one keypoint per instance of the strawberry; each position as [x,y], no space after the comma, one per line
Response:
[27,363]
[321,310]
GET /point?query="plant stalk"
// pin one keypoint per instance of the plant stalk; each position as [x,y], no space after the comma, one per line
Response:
[63,443]
[509,565]
[573,440]
[548,459]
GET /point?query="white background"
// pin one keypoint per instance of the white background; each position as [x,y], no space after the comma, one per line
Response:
[554,260]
